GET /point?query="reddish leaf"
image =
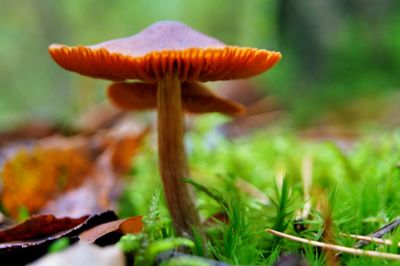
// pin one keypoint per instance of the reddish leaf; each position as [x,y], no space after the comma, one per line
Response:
[38,226]
[29,240]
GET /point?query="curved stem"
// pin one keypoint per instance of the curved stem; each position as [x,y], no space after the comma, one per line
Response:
[172,158]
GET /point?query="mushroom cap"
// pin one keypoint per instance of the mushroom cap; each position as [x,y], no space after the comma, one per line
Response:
[196,98]
[161,49]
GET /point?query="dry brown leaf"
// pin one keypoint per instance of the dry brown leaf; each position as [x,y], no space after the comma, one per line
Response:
[39,226]
[32,177]
[68,176]
[132,225]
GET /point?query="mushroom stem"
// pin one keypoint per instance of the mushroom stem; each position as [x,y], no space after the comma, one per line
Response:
[172,158]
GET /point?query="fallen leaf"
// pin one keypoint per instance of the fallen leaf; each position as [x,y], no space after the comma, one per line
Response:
[69,176]
[32,177]
[102,188]
[27,241]
[38,226]
[131,225]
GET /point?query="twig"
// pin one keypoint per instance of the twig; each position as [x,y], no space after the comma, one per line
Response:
[353,251]
[370,239]
[380,233]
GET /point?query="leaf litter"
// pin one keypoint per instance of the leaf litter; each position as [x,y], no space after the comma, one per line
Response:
[76,177]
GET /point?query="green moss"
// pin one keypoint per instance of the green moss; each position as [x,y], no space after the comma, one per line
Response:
[360,183]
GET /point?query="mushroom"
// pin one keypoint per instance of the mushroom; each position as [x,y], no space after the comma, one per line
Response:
[170,58]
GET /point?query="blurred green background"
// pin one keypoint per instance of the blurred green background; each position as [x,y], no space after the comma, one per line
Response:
[334,51]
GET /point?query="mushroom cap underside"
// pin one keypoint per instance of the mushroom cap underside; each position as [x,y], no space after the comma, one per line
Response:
[196,98]
[161,49]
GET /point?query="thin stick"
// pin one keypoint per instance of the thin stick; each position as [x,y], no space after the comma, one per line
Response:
[370,239]
[338,248]
[380,232]
[172,157]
